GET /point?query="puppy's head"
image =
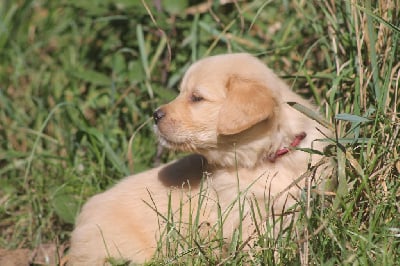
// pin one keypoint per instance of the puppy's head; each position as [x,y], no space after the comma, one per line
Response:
[221,98]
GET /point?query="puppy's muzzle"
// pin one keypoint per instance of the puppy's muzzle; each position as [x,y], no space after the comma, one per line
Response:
[158,115]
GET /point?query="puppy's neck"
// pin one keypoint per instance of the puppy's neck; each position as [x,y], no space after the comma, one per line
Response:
[247,156]
[263,143]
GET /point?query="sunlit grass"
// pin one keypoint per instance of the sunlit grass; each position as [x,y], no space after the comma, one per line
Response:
[77,80]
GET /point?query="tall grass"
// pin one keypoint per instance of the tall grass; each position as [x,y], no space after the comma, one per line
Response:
[78,79]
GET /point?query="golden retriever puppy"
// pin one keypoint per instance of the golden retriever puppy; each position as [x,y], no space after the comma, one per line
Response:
[232,113]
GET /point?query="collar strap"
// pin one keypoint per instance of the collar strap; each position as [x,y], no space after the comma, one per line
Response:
[297,139]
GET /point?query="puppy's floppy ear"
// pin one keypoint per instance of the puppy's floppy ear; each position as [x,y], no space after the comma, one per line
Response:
[248,102]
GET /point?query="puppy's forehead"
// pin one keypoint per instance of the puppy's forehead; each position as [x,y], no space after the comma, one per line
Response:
[212,73]
[207,86]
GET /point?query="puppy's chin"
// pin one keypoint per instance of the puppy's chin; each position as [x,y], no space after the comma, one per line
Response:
[175,145]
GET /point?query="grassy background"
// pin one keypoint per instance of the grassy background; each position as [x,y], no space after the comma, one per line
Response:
[79,79]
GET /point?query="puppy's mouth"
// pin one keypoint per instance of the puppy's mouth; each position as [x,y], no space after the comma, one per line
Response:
[183,145]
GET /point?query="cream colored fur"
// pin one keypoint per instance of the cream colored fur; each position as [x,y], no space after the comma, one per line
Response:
[232,111]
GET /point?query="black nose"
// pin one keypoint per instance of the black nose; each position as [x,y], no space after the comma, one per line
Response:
[157,115]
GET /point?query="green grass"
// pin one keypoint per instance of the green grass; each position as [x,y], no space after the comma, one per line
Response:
[78,79]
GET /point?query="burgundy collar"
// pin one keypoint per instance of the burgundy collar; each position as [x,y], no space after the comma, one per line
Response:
[297,139]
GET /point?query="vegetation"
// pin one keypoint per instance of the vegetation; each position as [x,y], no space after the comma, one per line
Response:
[79,81]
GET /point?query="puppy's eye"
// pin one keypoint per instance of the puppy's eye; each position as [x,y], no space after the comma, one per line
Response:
[196,98]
